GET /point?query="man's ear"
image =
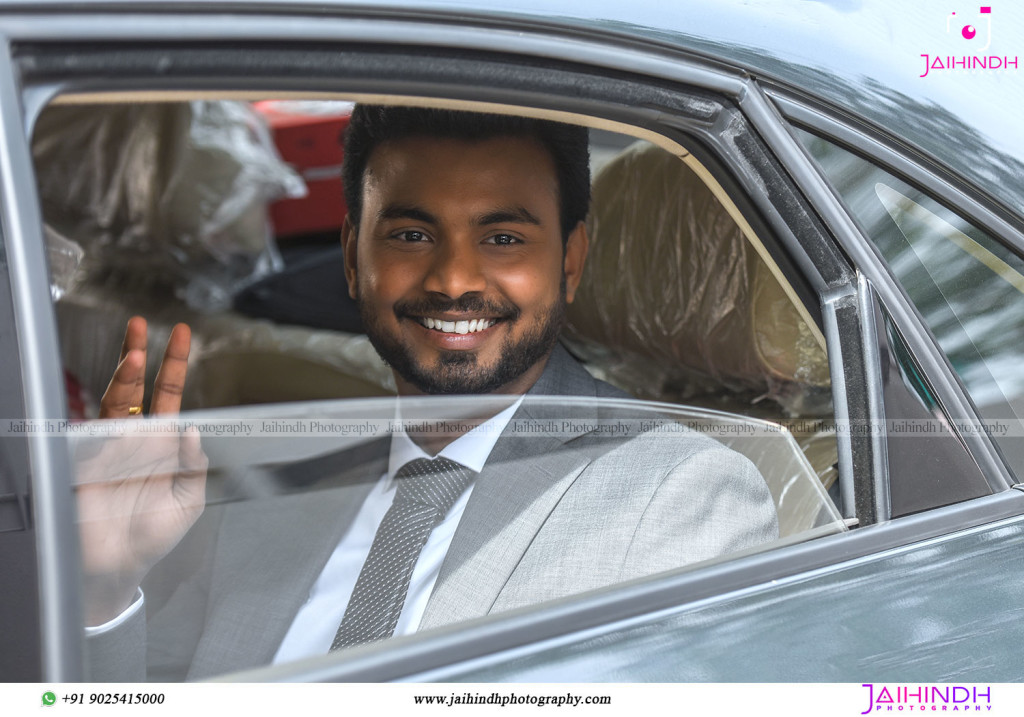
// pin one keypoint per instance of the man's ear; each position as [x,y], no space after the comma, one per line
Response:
[575,257]
[349,232]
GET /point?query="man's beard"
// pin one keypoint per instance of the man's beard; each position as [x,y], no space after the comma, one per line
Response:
[459,371]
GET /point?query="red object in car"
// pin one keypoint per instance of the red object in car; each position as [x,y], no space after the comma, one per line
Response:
[308,135]
[80,404]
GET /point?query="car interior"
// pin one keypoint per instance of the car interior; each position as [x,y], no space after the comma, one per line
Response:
[161,209]
[165,217]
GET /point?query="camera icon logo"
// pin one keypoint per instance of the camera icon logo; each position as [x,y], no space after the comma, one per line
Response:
[970,30]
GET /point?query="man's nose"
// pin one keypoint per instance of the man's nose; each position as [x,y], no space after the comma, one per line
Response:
[455,269]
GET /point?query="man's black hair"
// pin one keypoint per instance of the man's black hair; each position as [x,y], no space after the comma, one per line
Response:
[373,125]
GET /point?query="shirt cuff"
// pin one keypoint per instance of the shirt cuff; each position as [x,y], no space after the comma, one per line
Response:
[120,619]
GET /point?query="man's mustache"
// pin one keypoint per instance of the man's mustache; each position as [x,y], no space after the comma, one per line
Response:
[464,305]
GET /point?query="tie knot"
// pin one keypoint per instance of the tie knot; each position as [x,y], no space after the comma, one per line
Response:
[436,482]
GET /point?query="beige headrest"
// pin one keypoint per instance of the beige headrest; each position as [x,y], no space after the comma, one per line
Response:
[674,301]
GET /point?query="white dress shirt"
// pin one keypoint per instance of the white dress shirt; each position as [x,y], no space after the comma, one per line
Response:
[313,629]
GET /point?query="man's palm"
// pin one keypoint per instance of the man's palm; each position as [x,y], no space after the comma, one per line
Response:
[138,493]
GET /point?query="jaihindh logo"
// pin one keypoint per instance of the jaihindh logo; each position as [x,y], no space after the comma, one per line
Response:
[882,698]
[969,37]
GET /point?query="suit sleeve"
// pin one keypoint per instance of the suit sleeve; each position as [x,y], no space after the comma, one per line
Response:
[157,643]
[118,654]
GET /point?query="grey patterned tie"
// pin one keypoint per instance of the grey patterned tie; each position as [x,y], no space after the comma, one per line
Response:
[427,489]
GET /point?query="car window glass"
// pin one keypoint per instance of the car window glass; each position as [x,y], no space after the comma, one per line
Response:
[257,577]
[921,441]
[162,210]
[968,287]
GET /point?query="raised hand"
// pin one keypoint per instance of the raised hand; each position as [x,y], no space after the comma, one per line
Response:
[138,493]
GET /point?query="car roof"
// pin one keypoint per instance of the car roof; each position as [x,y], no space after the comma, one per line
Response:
[864,57]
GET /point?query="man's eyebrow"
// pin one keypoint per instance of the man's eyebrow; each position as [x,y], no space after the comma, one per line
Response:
[507,215]
[405,211]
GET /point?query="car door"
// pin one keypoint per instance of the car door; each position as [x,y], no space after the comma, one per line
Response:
[717,622]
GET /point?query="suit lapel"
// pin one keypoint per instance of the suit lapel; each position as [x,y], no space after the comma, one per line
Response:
[269,554]
[524,478]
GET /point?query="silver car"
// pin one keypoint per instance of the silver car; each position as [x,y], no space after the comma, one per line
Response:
[808,244]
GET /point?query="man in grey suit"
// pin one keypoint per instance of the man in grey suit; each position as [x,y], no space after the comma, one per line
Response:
[464,242]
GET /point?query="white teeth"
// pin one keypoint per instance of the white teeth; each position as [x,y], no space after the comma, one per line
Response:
[457,327]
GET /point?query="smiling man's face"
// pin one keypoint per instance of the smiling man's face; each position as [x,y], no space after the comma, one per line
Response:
[458,263]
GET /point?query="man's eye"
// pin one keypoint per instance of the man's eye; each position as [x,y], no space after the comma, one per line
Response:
[503,239]
[411,236]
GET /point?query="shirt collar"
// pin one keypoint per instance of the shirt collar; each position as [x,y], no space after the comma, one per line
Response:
[470,449]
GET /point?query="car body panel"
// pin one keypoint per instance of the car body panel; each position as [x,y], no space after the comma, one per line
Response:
[891,617]
[817,588]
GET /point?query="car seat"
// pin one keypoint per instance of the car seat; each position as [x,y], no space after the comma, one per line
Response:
[677,305]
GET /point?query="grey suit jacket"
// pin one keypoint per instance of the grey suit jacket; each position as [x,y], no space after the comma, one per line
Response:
[551,515]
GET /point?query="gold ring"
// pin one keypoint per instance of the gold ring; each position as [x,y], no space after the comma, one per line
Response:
[134,410]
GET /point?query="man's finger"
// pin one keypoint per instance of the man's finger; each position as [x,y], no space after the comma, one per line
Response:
[135,339]
[170,379]
[122,392]
[134,336]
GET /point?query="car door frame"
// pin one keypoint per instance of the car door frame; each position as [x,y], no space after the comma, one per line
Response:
[57,565]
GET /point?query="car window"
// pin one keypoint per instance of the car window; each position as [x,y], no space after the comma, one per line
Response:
[161,209]
[968,287]
[930,467]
